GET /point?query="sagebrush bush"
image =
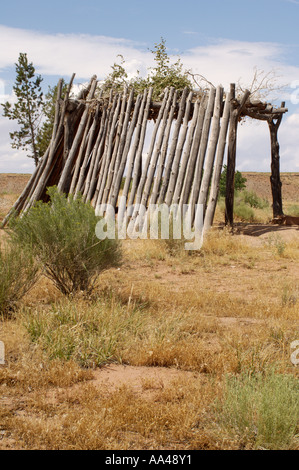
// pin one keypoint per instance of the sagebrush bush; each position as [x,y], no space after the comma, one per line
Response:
[253,200]
[61,235]
[244,212]
[18,273]
[293,210]
[262,409]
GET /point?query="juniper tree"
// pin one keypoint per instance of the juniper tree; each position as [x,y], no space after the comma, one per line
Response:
[45,130]
[240,182]
[27,111]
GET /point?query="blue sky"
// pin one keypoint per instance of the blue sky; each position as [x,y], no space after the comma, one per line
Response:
[222,40]
[258,20]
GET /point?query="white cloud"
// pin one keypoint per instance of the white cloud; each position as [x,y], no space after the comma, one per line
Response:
[221,61]
[228,61]
[12,160]
[289,142]
[253,154]
[63,54]
[254,146]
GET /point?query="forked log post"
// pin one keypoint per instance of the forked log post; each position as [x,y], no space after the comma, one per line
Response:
[236,109]
[274,123]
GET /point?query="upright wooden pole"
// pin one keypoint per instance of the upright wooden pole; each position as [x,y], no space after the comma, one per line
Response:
[148,159]
[137,170]
[208,170]
[231,154]
[214,191]
[202,150]
[136,150]
[161,162]
[172,151]
[178,153]
[76,143]
[274,123]
[186,155]
[194,154]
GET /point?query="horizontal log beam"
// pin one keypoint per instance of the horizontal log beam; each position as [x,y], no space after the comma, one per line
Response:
[264,116]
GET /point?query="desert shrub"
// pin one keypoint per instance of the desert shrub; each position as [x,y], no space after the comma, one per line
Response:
[18,273]
[61,235]
[240,182]
[244,212]
[277,244]
[262,409]
[293,210]
[249,207]
[253,200]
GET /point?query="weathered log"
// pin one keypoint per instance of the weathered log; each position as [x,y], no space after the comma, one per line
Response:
[80,161]
[157,150]
[214,192]
[110,160]
[122,165]
[90,153]
[186,155]
[57,136]
[194,153]
[213,141]
[116,144]
[25,195]
[202,150]
[96,158]
[141,121]
[68,165]
[122,144]
[172,151]
[137,170]
[149,155]
[161,162]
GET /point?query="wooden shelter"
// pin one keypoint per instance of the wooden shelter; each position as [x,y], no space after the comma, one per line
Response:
[102,147]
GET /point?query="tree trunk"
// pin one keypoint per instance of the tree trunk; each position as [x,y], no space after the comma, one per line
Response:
[231,156]
[275,166]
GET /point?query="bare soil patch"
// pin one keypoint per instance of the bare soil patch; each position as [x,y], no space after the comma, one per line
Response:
[260,184]
[11,186]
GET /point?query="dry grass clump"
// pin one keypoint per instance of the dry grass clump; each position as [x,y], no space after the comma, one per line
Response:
[261,410]
[29,368]
[89,418]
[92,334]
[18,273]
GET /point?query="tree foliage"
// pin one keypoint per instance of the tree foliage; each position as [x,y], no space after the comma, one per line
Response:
[163,74]
[240,182]
[46,128]
[27,110]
